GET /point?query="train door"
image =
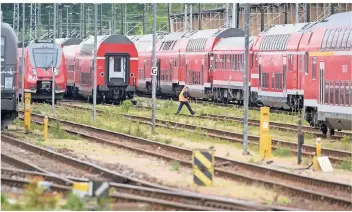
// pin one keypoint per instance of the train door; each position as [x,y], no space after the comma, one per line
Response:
[321,83]
[118,66]
[202,72]
[260,60]
[284,70]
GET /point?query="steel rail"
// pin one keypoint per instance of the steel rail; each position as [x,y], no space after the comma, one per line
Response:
[180,197]
[335,156]
[291,184]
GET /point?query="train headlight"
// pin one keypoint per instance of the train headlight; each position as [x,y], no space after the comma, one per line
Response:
[34,71]
[8,82]
[56,71]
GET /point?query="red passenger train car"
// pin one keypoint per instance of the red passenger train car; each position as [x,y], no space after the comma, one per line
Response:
[117,68]
[283,67]
[328,76]
[40,58]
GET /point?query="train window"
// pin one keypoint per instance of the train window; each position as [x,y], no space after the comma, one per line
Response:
[329,42]
[2,46]
[331,93]
[336,38]
[349,41]
[326,35]
[273,81]
[224,61]
[344,41]
[326,92]
[314,68]
[339,39]
[342,93]
[336,93]
[265,83]
[347,92]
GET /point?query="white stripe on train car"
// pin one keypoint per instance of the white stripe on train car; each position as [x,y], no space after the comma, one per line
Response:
[280,53]
[310,102]
[294,91]
[255,76]
[272,94]
[225,82]
[133,58]
[100,58]
[335,109]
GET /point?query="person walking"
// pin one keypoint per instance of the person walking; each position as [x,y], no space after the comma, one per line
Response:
[183,98]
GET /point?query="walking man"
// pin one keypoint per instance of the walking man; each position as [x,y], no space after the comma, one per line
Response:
[183,98]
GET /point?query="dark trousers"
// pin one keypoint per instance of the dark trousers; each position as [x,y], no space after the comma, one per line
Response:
[187,105]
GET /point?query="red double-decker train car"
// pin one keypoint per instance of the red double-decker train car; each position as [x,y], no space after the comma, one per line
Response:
[117,68]
[283,67]
[41,61]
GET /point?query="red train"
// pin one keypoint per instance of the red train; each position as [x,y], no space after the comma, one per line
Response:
[39,59]
[117,68]
[283,67]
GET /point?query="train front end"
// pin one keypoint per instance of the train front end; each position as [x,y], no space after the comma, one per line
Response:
[42,61]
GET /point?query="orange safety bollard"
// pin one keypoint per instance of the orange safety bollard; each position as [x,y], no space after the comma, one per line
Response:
[45,128]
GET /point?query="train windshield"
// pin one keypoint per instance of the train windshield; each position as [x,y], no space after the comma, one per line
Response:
[42,56]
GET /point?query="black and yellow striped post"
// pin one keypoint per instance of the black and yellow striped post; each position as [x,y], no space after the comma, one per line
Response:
[203,166]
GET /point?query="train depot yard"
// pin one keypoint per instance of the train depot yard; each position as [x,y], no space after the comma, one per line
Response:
[229,118]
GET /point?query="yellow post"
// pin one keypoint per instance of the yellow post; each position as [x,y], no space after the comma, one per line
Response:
[265,137]
[27,112]
[45,128]
[316,166]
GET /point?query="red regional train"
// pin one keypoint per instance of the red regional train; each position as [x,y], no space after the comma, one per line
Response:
[39,59]
[283,63]
[117,68]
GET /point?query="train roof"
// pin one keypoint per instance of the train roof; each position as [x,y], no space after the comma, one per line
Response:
[87,46]
[284,29]
[7,30]
[338,20]
[68,41]
[232,43]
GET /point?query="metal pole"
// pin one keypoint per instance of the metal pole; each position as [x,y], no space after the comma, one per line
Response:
[297,13]
[122,17]
[227,24]
[168,16]
[154,65]
[185,24]
[191,16]
[199,17]
[49,23]
[23,29]
[67,32]
[54,65]
[300,137]
[234,15]
[101,19]
[144,19]
[245,78]
[95,62]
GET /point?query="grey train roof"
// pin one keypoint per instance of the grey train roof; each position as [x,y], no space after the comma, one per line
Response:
[11,38]
[284,29]
[87,46]
[338,20]
[231,42]
[68,41]
[219,33]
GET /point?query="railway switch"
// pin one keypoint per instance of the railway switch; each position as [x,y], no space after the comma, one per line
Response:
[27,112]
[265,137]
[203,167]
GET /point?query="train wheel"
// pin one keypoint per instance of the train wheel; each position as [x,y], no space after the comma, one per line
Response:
[324,129]
[332,132]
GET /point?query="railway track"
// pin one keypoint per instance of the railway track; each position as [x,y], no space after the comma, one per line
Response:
[335,156]
[204,102]
[68,166]
[319,191]
[159,199]
[273,125]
